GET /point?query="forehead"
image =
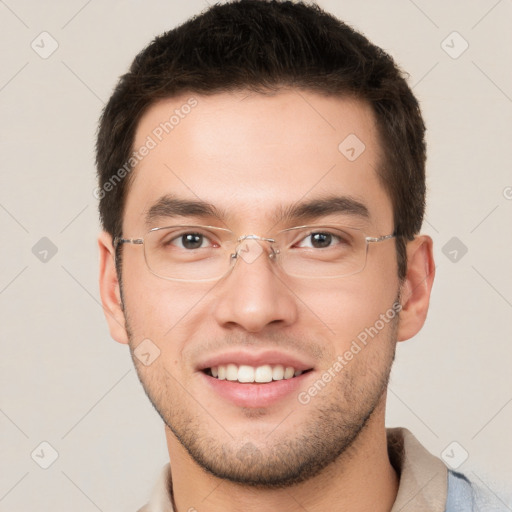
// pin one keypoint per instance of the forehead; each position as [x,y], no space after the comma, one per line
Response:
[250,154]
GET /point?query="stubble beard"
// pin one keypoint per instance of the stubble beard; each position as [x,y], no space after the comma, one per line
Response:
[335,419]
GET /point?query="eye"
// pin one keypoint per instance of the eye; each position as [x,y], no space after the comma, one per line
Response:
[319,240]
[190,241]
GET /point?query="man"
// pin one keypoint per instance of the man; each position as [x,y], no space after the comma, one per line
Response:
[262,189]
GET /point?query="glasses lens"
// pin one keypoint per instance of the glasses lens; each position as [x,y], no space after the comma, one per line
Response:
[202,253]
[322,251]
[187,253]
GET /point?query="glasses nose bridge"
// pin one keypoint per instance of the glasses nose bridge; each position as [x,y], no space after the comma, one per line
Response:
[240,239]
[240,244]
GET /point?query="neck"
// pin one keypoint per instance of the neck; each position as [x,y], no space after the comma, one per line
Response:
[362,479]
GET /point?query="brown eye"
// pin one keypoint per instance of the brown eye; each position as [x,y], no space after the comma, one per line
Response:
[192,240]
[188,241]
[318,240]
[321,240]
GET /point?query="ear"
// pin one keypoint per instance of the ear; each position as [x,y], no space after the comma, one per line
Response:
[109,289]
[416,288]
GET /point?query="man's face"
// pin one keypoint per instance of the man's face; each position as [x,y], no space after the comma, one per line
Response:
[251,156]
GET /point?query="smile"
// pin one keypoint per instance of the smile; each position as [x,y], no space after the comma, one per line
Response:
[249,374]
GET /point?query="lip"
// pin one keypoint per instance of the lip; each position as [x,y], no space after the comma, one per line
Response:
[255,359]
[255,395]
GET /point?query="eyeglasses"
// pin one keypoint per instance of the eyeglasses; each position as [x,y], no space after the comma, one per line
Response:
[207,253]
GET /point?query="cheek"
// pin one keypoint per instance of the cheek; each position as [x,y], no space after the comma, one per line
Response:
[165,312]
[346,307]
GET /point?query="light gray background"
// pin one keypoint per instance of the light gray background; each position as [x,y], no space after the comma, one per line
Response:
[66,382]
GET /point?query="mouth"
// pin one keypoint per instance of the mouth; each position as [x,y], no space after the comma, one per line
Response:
[245,374]
[255,379]
[260,387]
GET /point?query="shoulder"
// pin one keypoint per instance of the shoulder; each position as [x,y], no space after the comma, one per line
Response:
[468,496]
[160,500]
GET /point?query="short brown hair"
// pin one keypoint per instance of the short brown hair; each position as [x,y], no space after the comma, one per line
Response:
[266,45]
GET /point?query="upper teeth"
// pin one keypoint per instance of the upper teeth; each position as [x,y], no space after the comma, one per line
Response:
[244,373]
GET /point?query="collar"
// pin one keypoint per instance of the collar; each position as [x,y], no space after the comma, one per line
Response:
[423,483]
[423,478]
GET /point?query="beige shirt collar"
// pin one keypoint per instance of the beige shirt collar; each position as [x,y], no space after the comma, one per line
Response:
[423,478]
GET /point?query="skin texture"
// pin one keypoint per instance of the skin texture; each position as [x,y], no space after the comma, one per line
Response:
[248,154]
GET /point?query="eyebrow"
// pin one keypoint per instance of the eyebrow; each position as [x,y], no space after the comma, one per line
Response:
[169,206]
[323,206]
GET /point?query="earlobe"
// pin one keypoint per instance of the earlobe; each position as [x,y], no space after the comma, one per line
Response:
[109,289]
[416,288]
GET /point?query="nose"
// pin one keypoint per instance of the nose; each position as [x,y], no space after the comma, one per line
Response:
[254,294]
